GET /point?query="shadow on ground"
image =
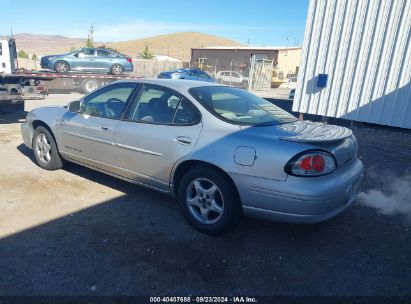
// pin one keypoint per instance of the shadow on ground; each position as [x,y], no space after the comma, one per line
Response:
[139,244]
[12,117]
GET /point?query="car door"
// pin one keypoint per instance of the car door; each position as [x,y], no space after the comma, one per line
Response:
[84,60]
[104,60]
[87,136]
[159,128]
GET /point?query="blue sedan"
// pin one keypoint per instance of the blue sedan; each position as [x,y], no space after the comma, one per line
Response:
[88,60]
[189,74]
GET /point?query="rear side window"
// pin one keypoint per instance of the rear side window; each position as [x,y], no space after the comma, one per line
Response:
[203,75]
[102,53]
[161,105]
[185,114]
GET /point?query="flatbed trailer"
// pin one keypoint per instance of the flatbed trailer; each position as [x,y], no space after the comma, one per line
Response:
[84,82]
[17,85]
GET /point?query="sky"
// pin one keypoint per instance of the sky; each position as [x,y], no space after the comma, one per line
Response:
[259,22]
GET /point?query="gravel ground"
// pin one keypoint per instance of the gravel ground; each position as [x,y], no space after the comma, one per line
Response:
[79,232]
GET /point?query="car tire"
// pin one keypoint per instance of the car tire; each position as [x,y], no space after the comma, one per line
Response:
[45,149]
[61,67]
[208,200]
[116,69]
[89,85]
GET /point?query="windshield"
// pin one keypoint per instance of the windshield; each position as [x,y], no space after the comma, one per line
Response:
[240,107]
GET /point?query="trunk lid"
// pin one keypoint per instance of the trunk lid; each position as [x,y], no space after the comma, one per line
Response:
[337,140]
[312,132]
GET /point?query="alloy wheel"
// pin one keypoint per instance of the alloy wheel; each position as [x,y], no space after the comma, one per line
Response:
[61,67]
[117,69]
[204,201]
[43,148]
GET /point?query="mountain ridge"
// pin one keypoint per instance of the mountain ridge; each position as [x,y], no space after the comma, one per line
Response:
[177,45]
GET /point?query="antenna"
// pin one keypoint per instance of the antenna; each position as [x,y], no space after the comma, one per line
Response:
[11,32]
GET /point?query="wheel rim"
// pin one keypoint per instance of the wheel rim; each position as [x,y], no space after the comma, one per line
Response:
[43,148]
[117,69]
[204,201]
[61,67]
[90,86]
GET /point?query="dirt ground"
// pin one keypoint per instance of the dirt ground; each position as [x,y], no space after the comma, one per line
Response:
[78,232]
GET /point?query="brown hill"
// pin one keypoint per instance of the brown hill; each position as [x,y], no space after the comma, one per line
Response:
[47,44]
[177,45]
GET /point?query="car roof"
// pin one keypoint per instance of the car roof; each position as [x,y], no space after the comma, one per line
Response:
[176,84]
[98,49]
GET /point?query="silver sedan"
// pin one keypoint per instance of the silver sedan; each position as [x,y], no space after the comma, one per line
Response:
[220,151]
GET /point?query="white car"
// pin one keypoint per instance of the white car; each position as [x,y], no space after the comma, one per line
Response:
[231,78]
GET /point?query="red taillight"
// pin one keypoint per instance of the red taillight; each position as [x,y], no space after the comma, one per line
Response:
[311,163]
[318,163]
[305,164]
[129,59]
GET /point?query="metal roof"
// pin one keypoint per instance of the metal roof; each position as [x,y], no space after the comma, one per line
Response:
[261,48]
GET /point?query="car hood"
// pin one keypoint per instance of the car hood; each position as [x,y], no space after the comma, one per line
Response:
[57,55]
[304,132]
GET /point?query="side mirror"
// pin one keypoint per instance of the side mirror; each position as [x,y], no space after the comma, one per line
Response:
[76,55]
[74,106]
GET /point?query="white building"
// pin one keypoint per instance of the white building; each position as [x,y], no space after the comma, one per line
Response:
[356,61]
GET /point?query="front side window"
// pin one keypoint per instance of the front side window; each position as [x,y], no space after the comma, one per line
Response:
[109,102]
[239,106]
[160,105]
[86,53]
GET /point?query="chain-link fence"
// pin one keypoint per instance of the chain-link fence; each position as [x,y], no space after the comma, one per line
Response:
[253,75]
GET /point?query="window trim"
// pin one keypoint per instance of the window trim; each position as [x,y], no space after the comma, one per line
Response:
[91,95]
[138,94]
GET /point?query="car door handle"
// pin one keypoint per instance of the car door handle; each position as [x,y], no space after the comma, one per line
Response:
[105,128]
[184,140]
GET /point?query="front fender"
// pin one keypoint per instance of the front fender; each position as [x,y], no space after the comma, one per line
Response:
[49,116]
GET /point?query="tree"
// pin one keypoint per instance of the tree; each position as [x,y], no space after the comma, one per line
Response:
[34,57]
[104,46]
[147,54]
[23,54]
[89,41]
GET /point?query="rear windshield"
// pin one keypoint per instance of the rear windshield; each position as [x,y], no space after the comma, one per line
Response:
[240,107]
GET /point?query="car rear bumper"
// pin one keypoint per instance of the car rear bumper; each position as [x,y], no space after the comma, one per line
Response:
[300,199]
